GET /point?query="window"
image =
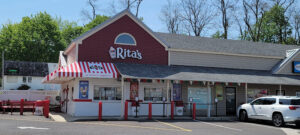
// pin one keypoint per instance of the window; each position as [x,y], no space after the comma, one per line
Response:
[298,94]
[153,94]
[107,93]
[125,39]
[24,79]
[12,79]
[269,101]
[29,79]
[289,101]
[258,102]
[256,93]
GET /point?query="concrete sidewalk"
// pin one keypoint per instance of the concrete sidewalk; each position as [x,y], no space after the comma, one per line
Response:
[62,117]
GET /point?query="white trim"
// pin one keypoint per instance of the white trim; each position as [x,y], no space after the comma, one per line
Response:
[169,61]
[125,33]
[76,52]
[221,53]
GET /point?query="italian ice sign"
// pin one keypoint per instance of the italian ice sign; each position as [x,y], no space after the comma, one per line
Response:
[83,90]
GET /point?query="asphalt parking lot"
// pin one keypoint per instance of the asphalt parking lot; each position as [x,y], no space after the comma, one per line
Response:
[21,125]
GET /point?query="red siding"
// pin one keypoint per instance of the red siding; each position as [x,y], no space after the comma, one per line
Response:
[96,47]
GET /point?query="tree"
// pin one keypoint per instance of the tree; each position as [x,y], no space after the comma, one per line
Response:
[224,6]
[70,30]
[127,4]
[171,17]
[254,13]
[218,35]
[196,15]
[86,14]
[296,25]
[275,26]
[98,20]
[35,38]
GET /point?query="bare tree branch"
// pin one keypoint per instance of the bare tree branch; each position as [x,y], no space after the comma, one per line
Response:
[170,16]
[197,14]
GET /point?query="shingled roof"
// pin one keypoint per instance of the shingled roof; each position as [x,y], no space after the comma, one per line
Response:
[196,73]
[177,41]
[24,68]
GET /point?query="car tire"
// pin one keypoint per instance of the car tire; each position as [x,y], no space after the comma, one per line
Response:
[278,120]
[243,116]
[297,124]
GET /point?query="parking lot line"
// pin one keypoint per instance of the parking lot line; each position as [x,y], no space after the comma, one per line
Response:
[129,126]
[216,125]
[171,125]
[104,124]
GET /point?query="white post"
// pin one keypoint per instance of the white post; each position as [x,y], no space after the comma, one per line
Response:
[246,92]
[280,93]
[168,99]
[209,101]
[122,101]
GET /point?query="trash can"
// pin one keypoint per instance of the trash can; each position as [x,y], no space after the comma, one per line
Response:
[39,108]
[179,108]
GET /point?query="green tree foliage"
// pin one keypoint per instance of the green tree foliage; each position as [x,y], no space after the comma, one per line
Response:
[35,38]
[276,27]
[98,20]
[40,37]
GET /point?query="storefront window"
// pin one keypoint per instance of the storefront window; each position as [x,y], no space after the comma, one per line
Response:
[256,93]
[298,94]
[153,94]
[107,93]
[198,95]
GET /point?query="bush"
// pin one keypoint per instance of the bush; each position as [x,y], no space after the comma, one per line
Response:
[24,87]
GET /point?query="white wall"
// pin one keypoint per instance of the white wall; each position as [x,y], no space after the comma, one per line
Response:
[35,84]
[223,61]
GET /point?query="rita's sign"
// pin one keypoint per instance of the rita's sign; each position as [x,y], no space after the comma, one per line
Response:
[296,67]
[120,53]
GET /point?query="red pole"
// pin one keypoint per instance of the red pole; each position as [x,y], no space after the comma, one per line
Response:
[46,108]
[150,111]
[100,111]
[126,110]
[21,106]
[172,110]
[194,111]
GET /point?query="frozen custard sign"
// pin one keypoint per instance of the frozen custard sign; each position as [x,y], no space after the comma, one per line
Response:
[120,53]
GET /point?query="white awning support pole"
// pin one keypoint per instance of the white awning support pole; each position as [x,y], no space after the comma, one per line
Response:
[280,92]
[246,92]
[168,96]
[122,101]
[209,100]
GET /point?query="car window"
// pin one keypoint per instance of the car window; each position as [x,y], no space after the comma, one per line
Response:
[257,102]
[289,101]
[269,101]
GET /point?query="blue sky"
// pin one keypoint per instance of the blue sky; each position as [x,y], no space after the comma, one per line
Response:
[14,10]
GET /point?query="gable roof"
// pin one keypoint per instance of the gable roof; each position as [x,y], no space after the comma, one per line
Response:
[282,64]
[204,44]
[111,20]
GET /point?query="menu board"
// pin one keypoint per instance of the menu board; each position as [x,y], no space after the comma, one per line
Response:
[83,89]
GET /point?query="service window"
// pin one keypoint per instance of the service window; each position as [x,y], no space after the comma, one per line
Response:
[153,94]
[107,93]
[298,94]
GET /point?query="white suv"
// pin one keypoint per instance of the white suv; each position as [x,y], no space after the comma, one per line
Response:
[279,109]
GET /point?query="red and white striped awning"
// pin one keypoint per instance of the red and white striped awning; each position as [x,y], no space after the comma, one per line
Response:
[82,70]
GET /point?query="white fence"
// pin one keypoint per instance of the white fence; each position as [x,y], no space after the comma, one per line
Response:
[30,95]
